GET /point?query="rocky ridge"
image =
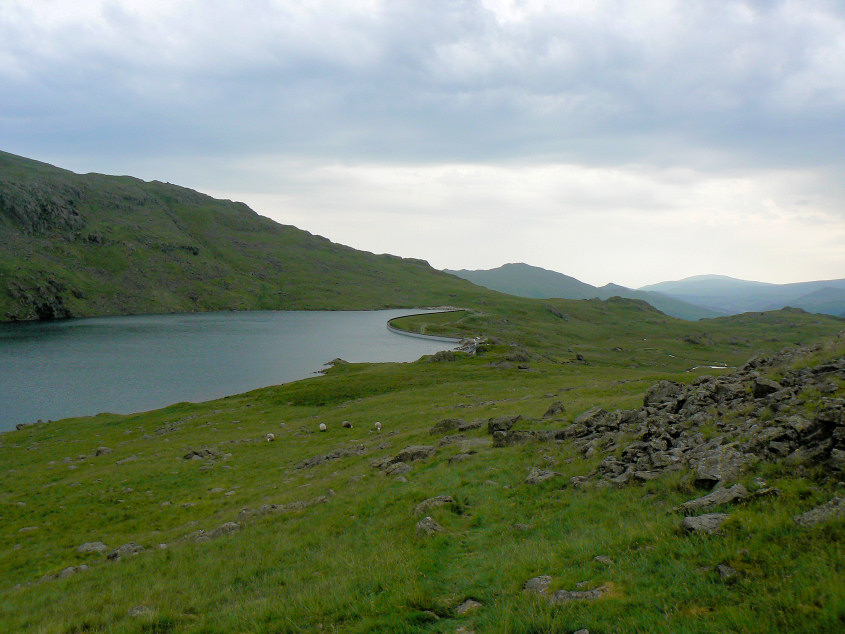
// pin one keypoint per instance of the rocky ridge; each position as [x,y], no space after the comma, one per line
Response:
[713,426]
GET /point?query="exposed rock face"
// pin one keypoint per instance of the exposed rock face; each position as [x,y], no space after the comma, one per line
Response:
[704,524]
[537,475]
[565,596]
[831,510]
[718,496]
[127,549]
[538,585]
[717,426]
[267,509]
[430,503]
[428,526]
[414,452]
[555,409]
[337,454]
[502,423]
[445,426]
[92,547]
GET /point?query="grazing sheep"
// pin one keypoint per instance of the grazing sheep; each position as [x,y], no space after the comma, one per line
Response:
[270,437]
[322,427]
[347,424]
[378,426]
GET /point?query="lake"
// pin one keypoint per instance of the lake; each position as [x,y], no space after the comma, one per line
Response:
[80,367]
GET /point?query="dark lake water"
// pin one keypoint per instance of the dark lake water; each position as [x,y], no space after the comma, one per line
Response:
[53,370]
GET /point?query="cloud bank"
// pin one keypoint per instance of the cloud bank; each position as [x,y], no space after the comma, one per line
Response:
[661,123]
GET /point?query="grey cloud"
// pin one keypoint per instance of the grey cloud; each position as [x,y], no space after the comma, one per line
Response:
[760,82]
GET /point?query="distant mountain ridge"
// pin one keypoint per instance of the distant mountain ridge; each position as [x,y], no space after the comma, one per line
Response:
[75,245]
[525,280]
[732,296]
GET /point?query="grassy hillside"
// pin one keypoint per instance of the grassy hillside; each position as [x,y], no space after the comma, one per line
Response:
[321,532]
[83,245]
[524,280]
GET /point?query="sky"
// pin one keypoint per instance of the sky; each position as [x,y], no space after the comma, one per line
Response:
[614,141]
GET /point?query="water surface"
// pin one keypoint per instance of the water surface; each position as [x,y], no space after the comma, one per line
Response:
[78,367]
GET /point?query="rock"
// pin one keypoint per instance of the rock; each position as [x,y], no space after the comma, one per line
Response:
[397,469]
[591,419]
[460,457]
[662,394]
[467,606]
[704,524]
[127,549]
[450,440]
[761,387]
[833,509]
[139,611]
[718,496]
[428,526]
[430,503]
[92,547]
[537,585]
[446,425]
[337,454]
[604,559]
[224,529]
[414,452]
[720,464]
[100,451]
[522,528]
[67,572]
[555,409]
[127,460]
[726,572]
[201,454]
[537,475]
[565,596]
[476,424]
[502,423]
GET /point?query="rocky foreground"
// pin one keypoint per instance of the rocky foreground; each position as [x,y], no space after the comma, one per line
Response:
[713,426]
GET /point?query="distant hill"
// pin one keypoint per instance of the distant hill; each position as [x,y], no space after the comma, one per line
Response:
[83,245]
[733,296]
[524,280]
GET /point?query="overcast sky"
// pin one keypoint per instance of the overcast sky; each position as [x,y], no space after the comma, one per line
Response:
[618,141]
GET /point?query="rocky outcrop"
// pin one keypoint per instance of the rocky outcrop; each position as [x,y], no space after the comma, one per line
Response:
[337,454]
[831,510]
[430,503]
[704,524]
[717,426]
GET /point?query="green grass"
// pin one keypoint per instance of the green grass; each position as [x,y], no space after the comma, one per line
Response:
[355,563]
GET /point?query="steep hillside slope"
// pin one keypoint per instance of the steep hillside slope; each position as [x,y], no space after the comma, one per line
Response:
[82,245]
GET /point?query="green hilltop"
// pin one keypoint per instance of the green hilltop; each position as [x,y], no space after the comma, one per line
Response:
[84,245]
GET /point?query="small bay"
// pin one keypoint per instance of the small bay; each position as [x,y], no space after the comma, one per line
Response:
[80,367]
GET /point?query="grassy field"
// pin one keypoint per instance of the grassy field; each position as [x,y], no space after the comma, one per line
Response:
[339,551]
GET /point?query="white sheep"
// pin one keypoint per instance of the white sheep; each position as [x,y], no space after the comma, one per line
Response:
[377,426]
[322,427]
[347,424]
[270,437]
